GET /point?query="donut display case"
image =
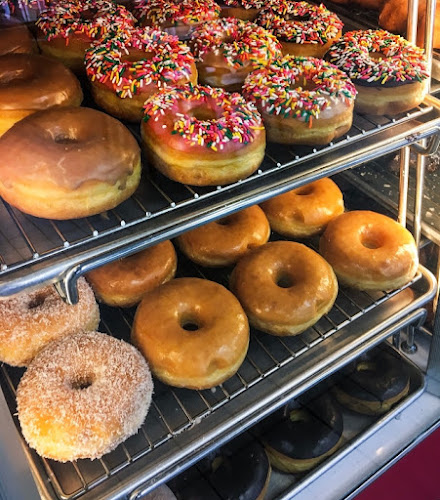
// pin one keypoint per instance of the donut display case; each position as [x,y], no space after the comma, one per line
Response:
[184,425]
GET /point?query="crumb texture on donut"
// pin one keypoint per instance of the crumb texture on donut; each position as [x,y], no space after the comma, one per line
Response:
[82,396]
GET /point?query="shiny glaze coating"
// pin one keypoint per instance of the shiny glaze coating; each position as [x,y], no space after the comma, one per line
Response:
[16,39]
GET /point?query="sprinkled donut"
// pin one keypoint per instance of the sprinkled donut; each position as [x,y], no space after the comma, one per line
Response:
[247,10]
[128,68]
[30,320]
[303,29]
[177,18]
[302,100]
[390,74]
[202,136]
[228,49]
[82,396]
[67,27]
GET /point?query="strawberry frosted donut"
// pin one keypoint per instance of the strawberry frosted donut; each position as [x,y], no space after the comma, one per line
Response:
[303,29]
[303,100]
[228,49]
[176,17]
[247,10]
[390,74]
[67,28]
[128,68]
[202,136]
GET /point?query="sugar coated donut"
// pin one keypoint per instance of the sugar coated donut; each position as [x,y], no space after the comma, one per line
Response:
[82,396]
[304,211]
[202,136]
[126,69]
[67,163]
[389,73]
[30,320]
[224,242]
[284,287]
[177,18]
[125,281]
[67,27]
[29,83]
[16,39]
[302,100]
[186,337]
[228,49]
[247,10]
[303,29]
[369,251]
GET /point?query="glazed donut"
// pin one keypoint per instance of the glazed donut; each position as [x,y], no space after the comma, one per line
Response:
[202,136]
[369,251]
[389,73]
[125,281]
[224,242]
[82,396]
[302,100]
[68,27]
[30,320]
[303,435]
[67,163]
[284,287]
[188,341]
[16,39]
[29,83]
[373,383]
[176,18]
[126,69]
[304,211]
[303,29]
[247,10]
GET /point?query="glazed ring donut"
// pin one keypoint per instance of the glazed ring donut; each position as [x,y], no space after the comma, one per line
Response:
[176,18]
[100,165]
[304,211]
[303,29]
[82,396]
[303,435]
[373,383]
[16,39]
[126,69]
[228,49]
[30,83]
[224,242]
[30,320]
[68,27]
[202,136]
[247,10]
[188,341]
[389,73]
[302,100]
[369,251]
[125,281]
[284,287]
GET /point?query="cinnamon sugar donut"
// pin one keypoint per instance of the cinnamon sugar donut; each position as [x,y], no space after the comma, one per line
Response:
[125,281]
[30,320]
[82,396]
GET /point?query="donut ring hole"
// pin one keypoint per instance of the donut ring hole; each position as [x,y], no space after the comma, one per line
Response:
[90,14]
[284,280]
[226,221]
[302,83]
[203,113]
[136,56]
[190,323]
[81,382]
[65,139]
[305,191]
[298,19]
[38,300]
[372,240]
[377,56]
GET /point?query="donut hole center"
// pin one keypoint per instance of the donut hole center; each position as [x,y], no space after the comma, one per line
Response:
[82,382]
[302,83]
[90,14]
[284,280]
[377,56]
[226,221]
[304,191]
[372,241]
[298,19]
[136,56]
[65,139]
[203,113]
[190,324]
[37,300]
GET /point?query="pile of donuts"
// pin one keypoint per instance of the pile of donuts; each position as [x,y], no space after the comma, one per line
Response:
[209,84]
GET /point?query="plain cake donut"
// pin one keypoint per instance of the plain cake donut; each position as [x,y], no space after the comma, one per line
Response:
[30,320]
[369,251]
[82,396]
[284,287]
[182,330]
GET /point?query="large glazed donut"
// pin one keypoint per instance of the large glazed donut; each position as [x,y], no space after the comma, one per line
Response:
[82,396]
[188,340]
[30,320]
[302,100]
[304,211]
[29,83]
[369,251]
[126,69]
[389,73]
[228,49]
[202,136]
[284,287]
[67,163]
[224,242]
[16,39]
